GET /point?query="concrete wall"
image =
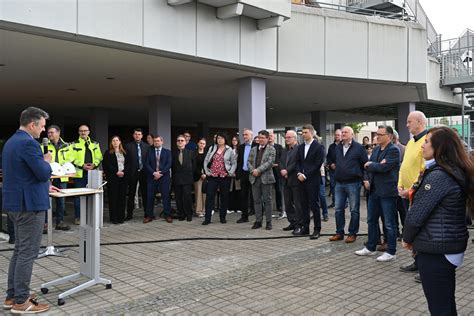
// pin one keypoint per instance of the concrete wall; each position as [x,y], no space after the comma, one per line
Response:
[314,41]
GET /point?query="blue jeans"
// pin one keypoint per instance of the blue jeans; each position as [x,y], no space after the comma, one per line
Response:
[79,183]
[28,230]
[386,207]
[322,197]
[343,192]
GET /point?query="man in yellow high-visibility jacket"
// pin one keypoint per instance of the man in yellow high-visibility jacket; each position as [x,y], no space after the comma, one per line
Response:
[87,156]
[60,153]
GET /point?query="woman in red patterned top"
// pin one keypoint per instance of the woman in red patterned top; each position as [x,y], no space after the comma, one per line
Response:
[220,164]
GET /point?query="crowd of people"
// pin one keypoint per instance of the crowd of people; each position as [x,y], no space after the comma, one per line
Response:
[419,193]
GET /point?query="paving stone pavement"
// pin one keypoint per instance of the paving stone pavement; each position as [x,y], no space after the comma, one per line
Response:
[159,273]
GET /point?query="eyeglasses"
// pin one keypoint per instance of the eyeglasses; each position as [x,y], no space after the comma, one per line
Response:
[181,140]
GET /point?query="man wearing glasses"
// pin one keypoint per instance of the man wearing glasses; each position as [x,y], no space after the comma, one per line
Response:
[183,165]
[87,156]
[383,169]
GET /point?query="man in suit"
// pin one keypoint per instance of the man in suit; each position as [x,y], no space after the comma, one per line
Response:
[158,165]
[137,151]
[276,173]
[242,174]
[309,158]
[260,164]
[290,179]
[350,160]
[331,162]
[26,174]
[183,166]
[383,169]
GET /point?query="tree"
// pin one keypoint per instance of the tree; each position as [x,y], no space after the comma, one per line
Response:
[356,127]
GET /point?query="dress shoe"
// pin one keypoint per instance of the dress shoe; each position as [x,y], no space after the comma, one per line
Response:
[325,218]
[417,278]
[242,220]
[409,268]
[300,231]
[223,221]
[147,220]
[382,247]
[189,218]
[269,226]
[257,225]
[289,227]
[169,219]
[336,237]
[206,223]
[315,235]
[181,219]
[331,205]
[350,239]
[62,226]
[129,217]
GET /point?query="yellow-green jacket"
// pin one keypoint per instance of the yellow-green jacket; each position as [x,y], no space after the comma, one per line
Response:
[78,149]
[64,154]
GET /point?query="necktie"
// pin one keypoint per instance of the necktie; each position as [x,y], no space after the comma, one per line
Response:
[180,157]
[157,159]
[139,152]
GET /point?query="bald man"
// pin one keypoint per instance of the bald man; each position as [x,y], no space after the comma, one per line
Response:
[413,164]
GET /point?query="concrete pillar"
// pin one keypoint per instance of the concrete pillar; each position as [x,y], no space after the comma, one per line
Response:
[159,118]
[252,100]
[403,110]
[319,121]
[99,126]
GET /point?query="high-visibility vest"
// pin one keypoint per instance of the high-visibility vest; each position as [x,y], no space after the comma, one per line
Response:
[78,149]
[64,154]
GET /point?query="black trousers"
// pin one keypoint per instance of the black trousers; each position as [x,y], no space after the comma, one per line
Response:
[184,201]
[402,208]
[117,190]
[135,178]
[278,190]
[309,195]
[245,194]
[292,203]
[438,277]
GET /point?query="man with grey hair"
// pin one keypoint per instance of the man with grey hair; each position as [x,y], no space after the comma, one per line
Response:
[26,174]
[242,174]
[396,142]
[350,160]
[291,189]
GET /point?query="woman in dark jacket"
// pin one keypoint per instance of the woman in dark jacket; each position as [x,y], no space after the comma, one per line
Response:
[116,165]
[200,178]
[435,226]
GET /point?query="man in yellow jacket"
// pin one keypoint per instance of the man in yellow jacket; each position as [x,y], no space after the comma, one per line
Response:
[87,156]
[413,164]
[60,153]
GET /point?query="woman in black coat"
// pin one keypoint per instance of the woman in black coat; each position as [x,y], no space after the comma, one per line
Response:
[116,165]
[435,225]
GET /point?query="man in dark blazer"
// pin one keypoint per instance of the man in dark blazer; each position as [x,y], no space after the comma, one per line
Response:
[383,169]
[158,165]
[291,184]
[137,150]
[242,174]
[278,185]
[26,174]
[309,158]
[183,165]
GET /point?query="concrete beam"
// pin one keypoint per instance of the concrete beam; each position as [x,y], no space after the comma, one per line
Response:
[267,23]
[178,2]
[230,11]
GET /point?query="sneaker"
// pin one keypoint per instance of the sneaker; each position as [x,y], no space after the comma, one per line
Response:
[77,221]
[282,215]
[386,257]
[365,252]
[201,215]
[30,306]
[61,226]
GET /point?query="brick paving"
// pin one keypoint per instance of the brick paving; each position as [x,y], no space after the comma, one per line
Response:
[286,276]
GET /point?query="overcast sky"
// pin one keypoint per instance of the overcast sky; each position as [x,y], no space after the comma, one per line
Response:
[450,18]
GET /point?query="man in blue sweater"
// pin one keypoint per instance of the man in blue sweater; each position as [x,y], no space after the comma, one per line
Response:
[350,160]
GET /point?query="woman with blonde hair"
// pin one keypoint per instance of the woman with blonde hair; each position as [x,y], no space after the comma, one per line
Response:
[116,165]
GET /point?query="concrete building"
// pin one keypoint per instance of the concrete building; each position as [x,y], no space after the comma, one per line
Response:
[202,65]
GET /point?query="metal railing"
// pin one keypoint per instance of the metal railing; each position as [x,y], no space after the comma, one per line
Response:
[362,11]
[455,56]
